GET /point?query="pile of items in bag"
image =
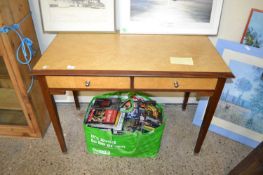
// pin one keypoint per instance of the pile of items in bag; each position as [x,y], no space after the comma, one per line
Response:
[122,116]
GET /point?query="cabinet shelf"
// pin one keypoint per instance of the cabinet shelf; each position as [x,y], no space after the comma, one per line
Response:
[8,99]
[12,118]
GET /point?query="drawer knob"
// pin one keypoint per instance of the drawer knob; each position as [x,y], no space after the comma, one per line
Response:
[176,84]
[87,83]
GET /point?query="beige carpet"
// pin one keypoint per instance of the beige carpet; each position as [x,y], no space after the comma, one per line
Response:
[42,156]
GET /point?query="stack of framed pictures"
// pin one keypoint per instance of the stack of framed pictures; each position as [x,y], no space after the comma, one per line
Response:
[239,114]
[133,16]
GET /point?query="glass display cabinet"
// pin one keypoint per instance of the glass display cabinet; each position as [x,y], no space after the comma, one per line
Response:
[21,113]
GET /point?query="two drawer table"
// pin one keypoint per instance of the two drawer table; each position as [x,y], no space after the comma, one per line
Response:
[99,62]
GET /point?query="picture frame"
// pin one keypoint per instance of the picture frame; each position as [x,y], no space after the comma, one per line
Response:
[253,34]
[156,17]
[245,56]
[78,15]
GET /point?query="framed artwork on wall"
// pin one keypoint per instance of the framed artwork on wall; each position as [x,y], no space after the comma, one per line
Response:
[253,34]
[170,16]
[239,114]
[78,15]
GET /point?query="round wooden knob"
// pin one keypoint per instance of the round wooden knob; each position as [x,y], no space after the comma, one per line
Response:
[176,84]
[87,83]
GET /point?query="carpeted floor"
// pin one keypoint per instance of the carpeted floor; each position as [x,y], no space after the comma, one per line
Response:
[42,156]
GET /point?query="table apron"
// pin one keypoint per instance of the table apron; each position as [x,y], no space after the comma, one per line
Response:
[165,84]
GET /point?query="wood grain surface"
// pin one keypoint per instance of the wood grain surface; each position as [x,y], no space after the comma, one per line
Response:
[130,53]
[78,82]
[169,83]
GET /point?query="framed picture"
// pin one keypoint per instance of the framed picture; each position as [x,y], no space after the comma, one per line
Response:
[170,16]
[78,15]
[253,34]
[239,114]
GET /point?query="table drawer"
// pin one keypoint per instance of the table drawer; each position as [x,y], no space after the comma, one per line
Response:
[174,83]
[88,82]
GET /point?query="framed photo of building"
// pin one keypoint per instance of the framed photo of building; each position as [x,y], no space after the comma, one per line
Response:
[170,16]
[239,114]
[253,34]
[78,15]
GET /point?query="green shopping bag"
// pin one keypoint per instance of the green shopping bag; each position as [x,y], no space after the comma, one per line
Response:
[129,144]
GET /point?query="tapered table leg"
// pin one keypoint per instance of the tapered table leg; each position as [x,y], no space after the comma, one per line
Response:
[186,97]
[53,114]
[209,113]
[76,99]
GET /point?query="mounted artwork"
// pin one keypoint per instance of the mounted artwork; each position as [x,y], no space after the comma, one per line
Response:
[170,16]
[239,114]
[78,15]
[253,35]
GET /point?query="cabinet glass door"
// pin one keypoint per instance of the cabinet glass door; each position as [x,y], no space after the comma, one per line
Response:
[10,109]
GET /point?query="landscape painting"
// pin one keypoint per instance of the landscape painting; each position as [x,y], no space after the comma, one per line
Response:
[239,113]
[241,102]
[170,11]
[170,16]
[253,35]
[78,15]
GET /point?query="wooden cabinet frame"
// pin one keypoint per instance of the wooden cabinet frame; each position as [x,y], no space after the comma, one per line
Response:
[13,11]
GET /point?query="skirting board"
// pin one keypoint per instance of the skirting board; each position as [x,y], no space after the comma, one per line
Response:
[68,98]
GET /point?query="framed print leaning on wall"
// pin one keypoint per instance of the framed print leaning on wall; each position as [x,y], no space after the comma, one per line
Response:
[239,114]
[253,34]
[78,15]
[170,16]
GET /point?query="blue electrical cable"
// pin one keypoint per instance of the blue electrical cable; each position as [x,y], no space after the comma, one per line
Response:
[26,47]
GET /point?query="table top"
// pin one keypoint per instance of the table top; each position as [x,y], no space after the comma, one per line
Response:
[130,55]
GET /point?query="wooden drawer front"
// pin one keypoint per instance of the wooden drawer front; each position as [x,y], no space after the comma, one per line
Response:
[175,83]
[84,82]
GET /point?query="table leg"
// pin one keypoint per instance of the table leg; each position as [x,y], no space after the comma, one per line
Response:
[76,99]
[209,113]
[53,114]
[186,97]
